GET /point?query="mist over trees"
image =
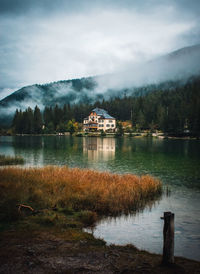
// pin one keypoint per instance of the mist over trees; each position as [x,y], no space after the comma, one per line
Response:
[174,111]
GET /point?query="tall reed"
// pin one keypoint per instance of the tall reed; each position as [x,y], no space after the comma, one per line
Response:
[79,189]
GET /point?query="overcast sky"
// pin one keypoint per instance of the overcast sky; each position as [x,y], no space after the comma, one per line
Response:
[48,40]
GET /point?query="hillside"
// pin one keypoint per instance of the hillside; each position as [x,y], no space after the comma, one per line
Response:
[165,73]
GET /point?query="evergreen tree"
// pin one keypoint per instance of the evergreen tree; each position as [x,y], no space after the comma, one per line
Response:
[57,116]
[47,115]
[29,121]
[17,122]
[65,114]
[140,120]
[37,121]
[173,110]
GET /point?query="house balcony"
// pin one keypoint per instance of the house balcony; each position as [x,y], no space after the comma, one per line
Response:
[93,126]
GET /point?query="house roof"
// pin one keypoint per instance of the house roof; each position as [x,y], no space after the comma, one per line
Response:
[103,113]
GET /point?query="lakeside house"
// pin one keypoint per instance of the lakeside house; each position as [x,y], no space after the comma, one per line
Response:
[99,119]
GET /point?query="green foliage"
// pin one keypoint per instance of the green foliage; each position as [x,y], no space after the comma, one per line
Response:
[71,126]
[103,134]
[79,134]
[62,127]
[49,128]
[140,120]
[120,130]
[37,121]
[17,121]
[48,116]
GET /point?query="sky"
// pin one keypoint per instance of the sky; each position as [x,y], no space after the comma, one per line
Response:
[44,41]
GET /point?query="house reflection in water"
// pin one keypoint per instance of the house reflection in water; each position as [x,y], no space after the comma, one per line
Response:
[99,148]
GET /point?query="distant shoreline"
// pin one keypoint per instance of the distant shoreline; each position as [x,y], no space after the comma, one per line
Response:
[113,135]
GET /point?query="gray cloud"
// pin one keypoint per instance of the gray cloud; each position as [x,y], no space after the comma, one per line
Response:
[44,40]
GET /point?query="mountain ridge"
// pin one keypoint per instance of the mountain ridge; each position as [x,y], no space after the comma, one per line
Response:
[169,70]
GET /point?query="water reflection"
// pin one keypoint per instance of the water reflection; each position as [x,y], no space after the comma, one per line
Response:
[144,229]
[46,150]
[99,148]
[175,162]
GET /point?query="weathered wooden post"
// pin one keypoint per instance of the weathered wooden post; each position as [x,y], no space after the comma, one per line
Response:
[168,238]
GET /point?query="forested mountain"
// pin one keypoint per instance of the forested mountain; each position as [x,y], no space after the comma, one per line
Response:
[165,74]
[174,111]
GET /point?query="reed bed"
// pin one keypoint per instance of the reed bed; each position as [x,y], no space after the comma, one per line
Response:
[8,160]
[78,189]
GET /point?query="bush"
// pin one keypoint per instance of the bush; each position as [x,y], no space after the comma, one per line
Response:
[87,217]
[79,135]
[103,134]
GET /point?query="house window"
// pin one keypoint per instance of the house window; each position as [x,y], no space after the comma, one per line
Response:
[108,125]
[112,125]
[110,121]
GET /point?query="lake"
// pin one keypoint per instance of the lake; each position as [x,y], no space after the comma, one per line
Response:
[175,162]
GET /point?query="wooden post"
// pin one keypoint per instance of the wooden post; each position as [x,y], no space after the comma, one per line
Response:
[168,238]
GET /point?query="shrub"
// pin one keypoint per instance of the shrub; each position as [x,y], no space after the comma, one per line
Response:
[88,217]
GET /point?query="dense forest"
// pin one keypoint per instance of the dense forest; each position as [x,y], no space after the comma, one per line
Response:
[174,111]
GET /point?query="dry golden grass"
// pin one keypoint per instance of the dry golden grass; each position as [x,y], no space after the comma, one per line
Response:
[79,189]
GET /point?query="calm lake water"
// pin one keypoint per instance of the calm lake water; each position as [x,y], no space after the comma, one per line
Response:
[175,162]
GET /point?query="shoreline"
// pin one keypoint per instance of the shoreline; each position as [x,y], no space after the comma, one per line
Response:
[110,135]
[48,237]
[48,251]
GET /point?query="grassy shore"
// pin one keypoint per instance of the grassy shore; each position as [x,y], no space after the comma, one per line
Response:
[8,160]
[76,189]
[43,212]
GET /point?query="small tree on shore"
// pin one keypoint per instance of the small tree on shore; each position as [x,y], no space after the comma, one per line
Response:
[120,130]
[72,126]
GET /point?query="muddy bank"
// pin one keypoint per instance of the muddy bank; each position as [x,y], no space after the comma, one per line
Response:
[54,252]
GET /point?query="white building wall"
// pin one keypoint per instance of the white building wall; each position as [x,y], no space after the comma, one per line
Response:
[107,124]
[103,124]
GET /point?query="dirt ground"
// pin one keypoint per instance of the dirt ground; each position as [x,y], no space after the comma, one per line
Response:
[48,252]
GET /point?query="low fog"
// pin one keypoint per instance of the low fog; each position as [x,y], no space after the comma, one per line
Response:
[177,66]
[46,41]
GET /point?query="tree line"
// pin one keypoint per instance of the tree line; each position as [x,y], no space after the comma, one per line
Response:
[51,120]
[174,111]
